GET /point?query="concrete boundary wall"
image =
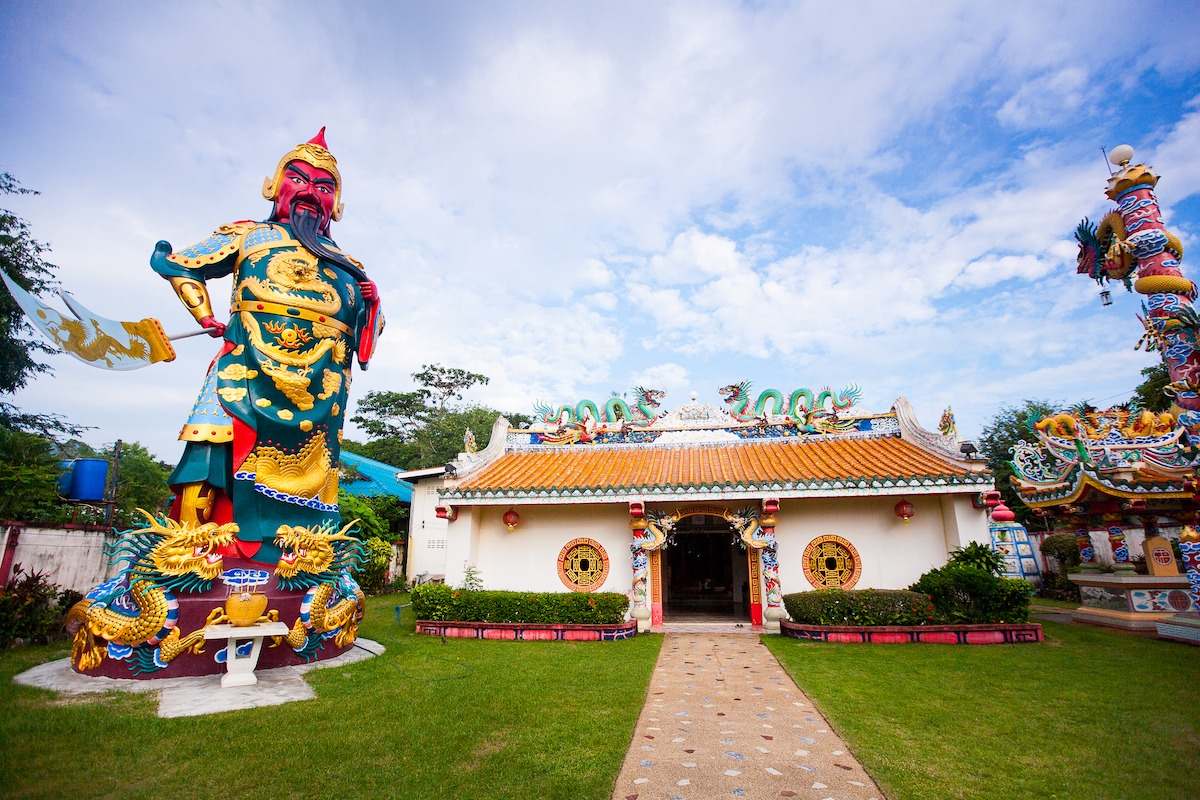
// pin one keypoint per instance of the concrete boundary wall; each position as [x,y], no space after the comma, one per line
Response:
[72,557]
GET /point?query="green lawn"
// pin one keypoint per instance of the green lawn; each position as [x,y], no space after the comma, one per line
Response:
[426,719]
[1088,714]
[1055,605]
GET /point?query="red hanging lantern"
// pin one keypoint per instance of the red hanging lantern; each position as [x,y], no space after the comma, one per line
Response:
[511,519]
[904,510]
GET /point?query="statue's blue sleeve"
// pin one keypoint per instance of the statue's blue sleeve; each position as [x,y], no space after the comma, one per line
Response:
[214,257]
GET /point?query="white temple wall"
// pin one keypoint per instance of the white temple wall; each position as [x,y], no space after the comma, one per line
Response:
[526,559]
[893,553]
[963,522]
[462,543]
[426,533]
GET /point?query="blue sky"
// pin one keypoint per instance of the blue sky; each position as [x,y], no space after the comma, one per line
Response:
[576,198]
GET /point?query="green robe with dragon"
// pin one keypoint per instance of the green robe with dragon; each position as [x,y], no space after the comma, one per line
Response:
[266,430]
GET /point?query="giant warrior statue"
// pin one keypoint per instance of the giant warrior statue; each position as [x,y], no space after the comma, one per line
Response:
[256,508]
[265,433]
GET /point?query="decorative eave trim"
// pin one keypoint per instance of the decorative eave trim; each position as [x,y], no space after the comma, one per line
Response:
[467,463]
[937,445]
[828,488]
[1043,496]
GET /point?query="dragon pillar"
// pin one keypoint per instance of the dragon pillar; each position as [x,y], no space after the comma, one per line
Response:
[1133,237]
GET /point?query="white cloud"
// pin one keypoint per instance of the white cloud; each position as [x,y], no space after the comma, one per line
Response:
[562,196]
[1048,99]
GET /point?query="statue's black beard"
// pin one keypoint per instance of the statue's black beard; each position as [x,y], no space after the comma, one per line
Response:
[306,228]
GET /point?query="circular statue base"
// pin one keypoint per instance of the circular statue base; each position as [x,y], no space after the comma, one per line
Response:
[183,608]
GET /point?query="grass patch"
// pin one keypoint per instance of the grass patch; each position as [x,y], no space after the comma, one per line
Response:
[1089,713]
[1047,602]
[463,718]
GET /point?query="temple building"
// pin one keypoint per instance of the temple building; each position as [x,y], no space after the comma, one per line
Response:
[703,512]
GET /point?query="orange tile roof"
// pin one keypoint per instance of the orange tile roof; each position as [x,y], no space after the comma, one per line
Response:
[806,463]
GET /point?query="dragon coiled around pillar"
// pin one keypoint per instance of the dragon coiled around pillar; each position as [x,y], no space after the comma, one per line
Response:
[745,524]
[1103,254]
[321,561]
[809,412]
[641,571]
[615,411]
[659,527]
[748,525]
[138,608]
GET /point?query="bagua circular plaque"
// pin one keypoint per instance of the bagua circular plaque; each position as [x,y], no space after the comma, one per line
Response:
[831,562]
[583,565]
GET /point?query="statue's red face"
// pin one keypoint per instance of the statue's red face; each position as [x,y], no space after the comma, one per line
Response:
[307,188]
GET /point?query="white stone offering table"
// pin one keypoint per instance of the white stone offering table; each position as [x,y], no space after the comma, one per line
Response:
[239,670]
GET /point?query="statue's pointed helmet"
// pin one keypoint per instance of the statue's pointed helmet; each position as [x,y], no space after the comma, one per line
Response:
[316,153]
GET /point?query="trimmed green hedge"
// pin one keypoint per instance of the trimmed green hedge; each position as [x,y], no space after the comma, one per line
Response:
[859,607]
[440,603]
[965,594]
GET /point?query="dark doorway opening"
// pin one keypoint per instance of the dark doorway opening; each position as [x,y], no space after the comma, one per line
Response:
[701,574]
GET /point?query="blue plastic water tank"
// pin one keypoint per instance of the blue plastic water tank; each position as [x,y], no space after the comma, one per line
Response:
[89,478]
[64,480]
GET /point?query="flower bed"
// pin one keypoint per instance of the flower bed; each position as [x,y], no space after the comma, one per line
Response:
[996,633]
[529,631]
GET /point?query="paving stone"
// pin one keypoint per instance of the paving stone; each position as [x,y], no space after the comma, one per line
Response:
[716,683]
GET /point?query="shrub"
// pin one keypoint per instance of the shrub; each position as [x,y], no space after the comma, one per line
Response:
[373,573]
[440,603]
[965,594]
[31,607]
[974,554]
[861,607]
[1063,549]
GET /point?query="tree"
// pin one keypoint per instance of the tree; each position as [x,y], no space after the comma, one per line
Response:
[29,473]
[1150,393]
[351,507]
[21,259]
[419,428]
[1011,425]
[141,483]
[446,383]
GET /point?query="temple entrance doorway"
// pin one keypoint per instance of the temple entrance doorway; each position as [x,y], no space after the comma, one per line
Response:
[705,574]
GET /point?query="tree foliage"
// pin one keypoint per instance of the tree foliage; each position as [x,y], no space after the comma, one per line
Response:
[1011,425]
[420,428]
[20,344]
[141,484]
[29,473]
[21,259]
[1150,394]
[446,383]
[369,525]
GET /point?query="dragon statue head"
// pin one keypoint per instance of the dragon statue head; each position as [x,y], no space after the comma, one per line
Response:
[315,551]
[735,392]
[651,397]
[176,554]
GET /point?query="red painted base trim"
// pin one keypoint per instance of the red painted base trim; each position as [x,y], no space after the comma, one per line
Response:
[527,631]
[999,633]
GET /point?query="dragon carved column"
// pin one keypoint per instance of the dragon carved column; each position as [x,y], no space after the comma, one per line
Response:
[1132,237]
[757,532]
[648,540]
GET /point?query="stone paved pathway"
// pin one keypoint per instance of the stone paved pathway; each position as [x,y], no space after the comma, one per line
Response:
[723,719]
